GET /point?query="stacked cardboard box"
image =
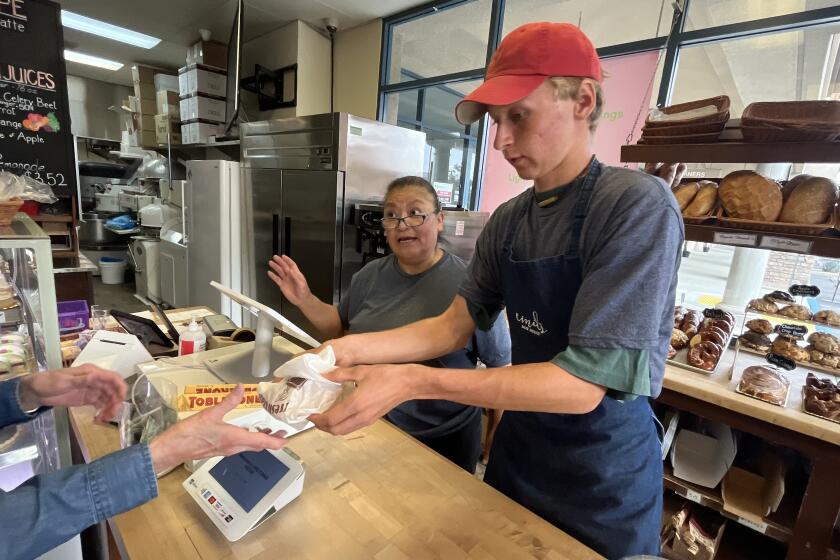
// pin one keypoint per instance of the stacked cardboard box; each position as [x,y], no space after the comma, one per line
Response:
[202,91]
[143,105]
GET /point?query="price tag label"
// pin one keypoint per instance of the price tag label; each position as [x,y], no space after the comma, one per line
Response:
[710,313]
[2,316]
[781,361]
[785,244]
[693,496]
[745,239]
[759,526]
[795,331]
[804,290]
[459,227]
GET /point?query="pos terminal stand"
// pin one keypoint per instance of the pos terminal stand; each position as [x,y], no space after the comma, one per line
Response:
[264,358]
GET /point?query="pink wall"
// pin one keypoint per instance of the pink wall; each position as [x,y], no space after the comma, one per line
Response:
[625,89]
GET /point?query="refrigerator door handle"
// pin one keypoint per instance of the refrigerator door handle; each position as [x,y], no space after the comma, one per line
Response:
[287,236]
[275,234]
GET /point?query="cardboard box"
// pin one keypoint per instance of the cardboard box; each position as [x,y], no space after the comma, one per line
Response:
[166,82]
[142,138]
[144,106]
[205,80]
[209,53]
[167,130]
[198,132]
[143,74]
[143,90]
[168,103]
[143,122]
[200,107]
[704,459]
[754,496]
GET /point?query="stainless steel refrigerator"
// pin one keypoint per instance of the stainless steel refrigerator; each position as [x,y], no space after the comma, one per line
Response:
[301,178]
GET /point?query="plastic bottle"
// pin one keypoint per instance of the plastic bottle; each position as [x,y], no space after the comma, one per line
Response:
[193,340]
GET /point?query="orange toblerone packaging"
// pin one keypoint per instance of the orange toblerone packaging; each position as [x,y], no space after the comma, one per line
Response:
[200,397]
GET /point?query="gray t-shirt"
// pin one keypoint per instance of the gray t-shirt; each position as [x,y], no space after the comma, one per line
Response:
[630,252]
[383,297]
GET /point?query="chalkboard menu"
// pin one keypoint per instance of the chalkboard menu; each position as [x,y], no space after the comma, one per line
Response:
[35,136]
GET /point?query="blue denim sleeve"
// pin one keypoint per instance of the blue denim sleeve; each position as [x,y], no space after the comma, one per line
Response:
[49,509]
[494,344]
[10,409]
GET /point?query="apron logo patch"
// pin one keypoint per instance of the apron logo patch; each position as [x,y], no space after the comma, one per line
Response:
[531,325]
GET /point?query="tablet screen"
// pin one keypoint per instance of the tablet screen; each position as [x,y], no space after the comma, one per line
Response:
[248,476]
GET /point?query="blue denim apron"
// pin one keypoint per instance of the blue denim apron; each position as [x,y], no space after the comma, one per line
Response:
[597,476]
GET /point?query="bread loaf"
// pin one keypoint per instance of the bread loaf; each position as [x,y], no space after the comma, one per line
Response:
[811,202]
[791,184]
[749,196]
[685,194]
[704,201]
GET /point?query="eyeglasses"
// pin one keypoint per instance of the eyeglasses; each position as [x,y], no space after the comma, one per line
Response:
[413,221]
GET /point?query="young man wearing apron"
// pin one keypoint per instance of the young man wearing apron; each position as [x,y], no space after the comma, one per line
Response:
[585,264]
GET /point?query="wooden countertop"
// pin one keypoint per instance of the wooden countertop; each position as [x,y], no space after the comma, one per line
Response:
[376,493]
[719,389]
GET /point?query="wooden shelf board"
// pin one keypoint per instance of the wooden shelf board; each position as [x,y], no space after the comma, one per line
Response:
[779,524]
[826,245]
[64,254]
[734,152]
[50,218]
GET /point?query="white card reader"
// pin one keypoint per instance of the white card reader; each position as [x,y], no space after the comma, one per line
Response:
[239,492]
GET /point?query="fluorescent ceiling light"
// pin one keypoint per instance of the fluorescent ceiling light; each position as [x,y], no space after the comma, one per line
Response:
[113,32]
[105,63]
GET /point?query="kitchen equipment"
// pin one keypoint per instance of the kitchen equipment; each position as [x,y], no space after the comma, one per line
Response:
[94,235]
[174,273]
[145,254]
[301,180]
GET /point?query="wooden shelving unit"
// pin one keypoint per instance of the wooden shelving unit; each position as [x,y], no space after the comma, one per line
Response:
[734,152]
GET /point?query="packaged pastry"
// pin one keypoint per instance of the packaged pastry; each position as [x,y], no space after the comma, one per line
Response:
[765,383]
[763,306]
[811,202]
[757,341]
[780,297]
[704,201]
[749,196]
[685,193]
[826,316]
[821,397]
[760,326]
[796,311]
[825,342]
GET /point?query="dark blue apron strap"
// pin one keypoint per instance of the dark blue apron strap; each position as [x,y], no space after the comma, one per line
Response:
[582,207]
[507,245]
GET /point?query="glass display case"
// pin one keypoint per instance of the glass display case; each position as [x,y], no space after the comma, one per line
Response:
[29,343]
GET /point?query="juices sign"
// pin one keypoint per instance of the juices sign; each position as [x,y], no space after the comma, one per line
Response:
[13,16]
[27,76]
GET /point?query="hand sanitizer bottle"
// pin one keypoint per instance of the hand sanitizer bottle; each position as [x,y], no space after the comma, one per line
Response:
[193,340]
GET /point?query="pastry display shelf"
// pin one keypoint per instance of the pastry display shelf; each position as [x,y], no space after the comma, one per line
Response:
[778,525]
[19,447]
[825,245]
[734,152]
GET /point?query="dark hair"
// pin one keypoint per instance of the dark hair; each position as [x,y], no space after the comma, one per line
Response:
[413,181]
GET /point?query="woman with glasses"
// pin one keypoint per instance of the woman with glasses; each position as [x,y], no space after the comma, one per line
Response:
[418,280]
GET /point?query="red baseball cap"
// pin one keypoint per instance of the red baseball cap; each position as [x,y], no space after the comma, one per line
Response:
[527,56]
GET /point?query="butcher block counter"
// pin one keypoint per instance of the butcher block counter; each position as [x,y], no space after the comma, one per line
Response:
[376,493]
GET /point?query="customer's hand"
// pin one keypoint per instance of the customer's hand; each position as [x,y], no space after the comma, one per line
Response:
[291,281]
[76,386]
[206,434]
[379,388]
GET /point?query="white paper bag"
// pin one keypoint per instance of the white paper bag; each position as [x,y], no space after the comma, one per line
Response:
[300,389]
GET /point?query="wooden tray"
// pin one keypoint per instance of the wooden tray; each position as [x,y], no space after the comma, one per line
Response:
[680,129]
[721,102]
[777,227]
[820,114]
[683,139]
[802,133]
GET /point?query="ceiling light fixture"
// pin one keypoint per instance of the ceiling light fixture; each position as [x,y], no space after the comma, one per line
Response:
[113,32]
[81,58]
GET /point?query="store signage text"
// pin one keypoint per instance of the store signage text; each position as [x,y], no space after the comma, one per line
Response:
[27,77]
[13,16]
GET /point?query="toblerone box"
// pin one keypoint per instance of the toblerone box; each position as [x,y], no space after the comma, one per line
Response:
[200,397]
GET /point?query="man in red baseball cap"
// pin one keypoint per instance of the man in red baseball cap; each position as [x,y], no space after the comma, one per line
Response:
[585,266]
